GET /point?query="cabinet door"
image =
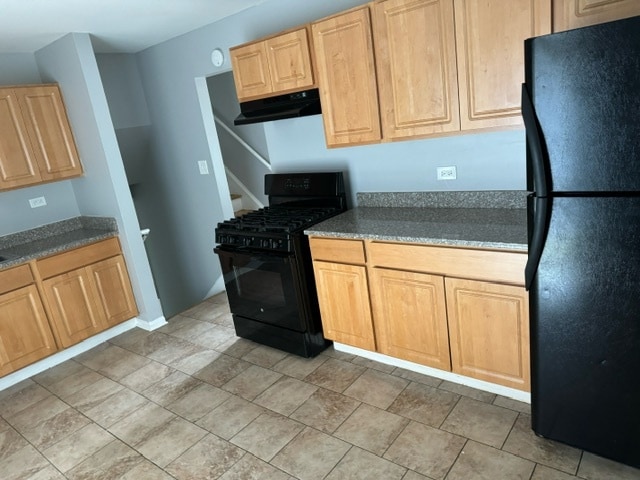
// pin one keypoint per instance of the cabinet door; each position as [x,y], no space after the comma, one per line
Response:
[489,43]
[48,126]
[18,165]
[290,61]
[251,70]
[114,290]
[489,331]
[346,77]
[411,317]
[416,64]
[74,308]
[25,336]
[568,14]
[343,296]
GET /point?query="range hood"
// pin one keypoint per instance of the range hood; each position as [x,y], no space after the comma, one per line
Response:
[291,105]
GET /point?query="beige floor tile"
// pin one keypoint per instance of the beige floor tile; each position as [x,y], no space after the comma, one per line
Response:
[376,388]
[47,473]
[424,404]
[116,407]
[594,467]
[77,447]
[141,424]
[21,396]
[285,395]
[264,356]
[299,367]
[146,470]
[24,463]
[110,462]
[545,473]
[371,428]
[251,382]
[130,338]
[146,376]
[59,372]
[174,350]
[411,475]
[474,393]
[186,328]
[113,361]
[236,347]
[144,343]
[208,458]
[199,401]
[4,425]
[65,388]
[381,367]
[522,441]
[512,404]
[170,440]
[93,394]
[267,434]
[207,311]
[177,322]
[417,377]
[10,442]
[311,455]
[335,375]
[37,413]
[426,450]
[361,465]
[526,444]
[252,468]
[225,320]
[196,361]
[171,388]
[230,417]
[483,422]
[480,462]
[325,410]
[215,337]
[54,429]
[333,353]
[221,370]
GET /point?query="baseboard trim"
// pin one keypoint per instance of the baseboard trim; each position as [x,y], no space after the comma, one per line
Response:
[152,325]
[434,372]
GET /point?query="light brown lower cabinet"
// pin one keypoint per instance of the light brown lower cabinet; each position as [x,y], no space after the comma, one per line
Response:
[421,311]
[87,291]
[25,336]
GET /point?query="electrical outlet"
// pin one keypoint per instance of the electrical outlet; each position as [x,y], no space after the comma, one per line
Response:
[37,202]
[204,168]
[446,173]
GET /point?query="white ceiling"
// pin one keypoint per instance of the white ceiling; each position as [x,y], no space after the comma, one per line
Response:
[126,26]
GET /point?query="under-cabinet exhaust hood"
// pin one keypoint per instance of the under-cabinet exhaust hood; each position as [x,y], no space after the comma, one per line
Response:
[291,105]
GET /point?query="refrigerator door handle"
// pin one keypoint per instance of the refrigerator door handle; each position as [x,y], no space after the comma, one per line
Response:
[536,147]
[538,237]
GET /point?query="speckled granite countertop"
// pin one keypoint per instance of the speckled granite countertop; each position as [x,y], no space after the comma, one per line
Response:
[53,238]
[444,221]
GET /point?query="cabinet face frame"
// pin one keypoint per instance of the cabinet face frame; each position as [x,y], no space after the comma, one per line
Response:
[569,14]
[345,65]
[416,67]
[489,332]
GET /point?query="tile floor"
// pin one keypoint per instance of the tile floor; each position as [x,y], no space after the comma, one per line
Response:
[193,401]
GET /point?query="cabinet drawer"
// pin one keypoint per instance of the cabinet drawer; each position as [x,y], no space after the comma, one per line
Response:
[337,250]
[14,278]
[495,266]
[78,257]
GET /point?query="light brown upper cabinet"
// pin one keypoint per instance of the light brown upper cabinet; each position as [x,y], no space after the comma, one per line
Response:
[36,142]
[568,14]
[489,44]
[278,64]
[345,66]
[416,65]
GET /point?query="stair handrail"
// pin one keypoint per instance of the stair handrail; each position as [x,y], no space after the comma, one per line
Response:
[247,147]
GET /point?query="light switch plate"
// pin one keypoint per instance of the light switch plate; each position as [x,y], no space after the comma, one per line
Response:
[37,202]
[204,168]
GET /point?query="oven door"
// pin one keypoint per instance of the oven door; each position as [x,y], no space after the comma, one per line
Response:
[262,286]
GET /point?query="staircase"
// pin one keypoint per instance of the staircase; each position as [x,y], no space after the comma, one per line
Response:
[236,202]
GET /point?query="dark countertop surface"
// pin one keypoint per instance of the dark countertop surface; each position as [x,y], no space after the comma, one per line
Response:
[499,228]
[17,248]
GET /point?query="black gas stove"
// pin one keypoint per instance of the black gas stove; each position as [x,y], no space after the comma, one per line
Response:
[266,261]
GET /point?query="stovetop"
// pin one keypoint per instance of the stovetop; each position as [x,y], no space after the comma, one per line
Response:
[270,228]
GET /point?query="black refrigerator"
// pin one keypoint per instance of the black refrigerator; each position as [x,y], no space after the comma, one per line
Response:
[581,105]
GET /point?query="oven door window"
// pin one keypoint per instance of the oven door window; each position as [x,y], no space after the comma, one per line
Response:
[262,286]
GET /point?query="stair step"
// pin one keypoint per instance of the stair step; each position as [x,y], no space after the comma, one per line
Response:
[236,202]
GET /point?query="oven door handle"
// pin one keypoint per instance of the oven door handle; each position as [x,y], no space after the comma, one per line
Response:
[248,251]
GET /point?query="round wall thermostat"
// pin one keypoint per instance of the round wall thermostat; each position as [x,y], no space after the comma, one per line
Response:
[217,57]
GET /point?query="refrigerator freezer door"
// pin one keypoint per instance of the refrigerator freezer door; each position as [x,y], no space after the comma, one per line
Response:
[585,89]
[585,325]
